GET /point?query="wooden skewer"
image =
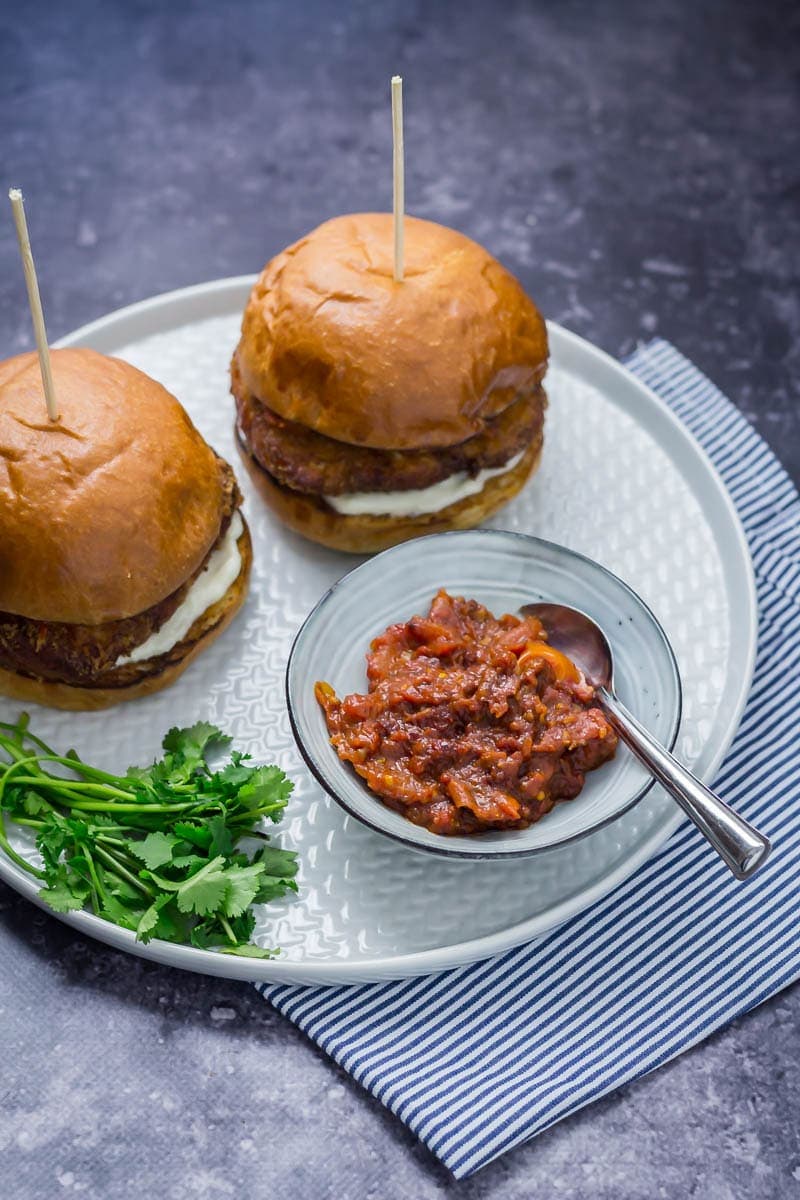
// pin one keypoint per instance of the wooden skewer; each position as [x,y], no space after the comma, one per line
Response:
[398,176]
[34,300]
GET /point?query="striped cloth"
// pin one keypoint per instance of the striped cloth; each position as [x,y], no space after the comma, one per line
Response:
[476,1060]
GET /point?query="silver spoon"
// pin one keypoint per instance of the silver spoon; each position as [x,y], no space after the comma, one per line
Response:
[738,844]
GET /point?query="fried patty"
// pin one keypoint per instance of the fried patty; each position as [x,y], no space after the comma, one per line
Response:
[306,461]
[85,654]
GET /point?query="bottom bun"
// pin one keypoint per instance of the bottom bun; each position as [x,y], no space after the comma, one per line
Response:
[165,669]
[365,534]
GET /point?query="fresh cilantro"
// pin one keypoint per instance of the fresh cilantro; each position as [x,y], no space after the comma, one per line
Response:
[156,849]
[249,950]
[65,891]
[221,840]
[120,914]
[204,892]
[267,788]
[33,804]
[196,741]
[162,850]
[278,862]
[150,918]
[123,890]
[198,835]
[243,885]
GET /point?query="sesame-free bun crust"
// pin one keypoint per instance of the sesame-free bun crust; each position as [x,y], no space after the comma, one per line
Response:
[111,508]
[155,674]
[330,340]
[365,534]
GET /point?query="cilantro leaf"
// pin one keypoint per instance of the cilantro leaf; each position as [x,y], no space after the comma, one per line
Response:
[195,742]
[205,937]
[65,893]
[33,804]
[234,775]
[188,862]
[266,785]
[119,887]
[204,892]
[120,914]
[221,840]
[52,840]
[172,926]
[61,898]
[242,927]
[243,884]
[143,775]
[278,862]
[249,950]
[273,888]
[147,923]
[196,833]
[156,849]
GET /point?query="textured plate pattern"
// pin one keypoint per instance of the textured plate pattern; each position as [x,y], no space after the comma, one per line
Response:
[633,512]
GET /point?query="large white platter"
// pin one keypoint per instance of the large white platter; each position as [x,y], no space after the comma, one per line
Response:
[621,481]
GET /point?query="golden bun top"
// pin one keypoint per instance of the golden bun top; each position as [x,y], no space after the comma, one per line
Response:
[108,510]
[331,340]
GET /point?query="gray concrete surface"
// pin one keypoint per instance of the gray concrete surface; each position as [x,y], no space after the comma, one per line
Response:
[638,167]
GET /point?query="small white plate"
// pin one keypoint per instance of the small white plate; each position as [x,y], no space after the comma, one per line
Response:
[643,500]
[503,571]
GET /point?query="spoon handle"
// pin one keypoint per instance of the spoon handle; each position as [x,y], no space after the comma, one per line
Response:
[738,844]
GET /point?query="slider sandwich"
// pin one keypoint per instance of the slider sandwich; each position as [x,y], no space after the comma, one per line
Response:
[371,410]
[122,549]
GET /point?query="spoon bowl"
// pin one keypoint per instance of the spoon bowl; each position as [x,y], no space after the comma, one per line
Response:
[742,848]
[577,636]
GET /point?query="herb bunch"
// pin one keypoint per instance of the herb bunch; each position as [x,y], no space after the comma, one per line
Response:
[171,851]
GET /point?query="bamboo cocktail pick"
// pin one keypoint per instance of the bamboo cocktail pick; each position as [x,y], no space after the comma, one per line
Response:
[34,300]
[398,189]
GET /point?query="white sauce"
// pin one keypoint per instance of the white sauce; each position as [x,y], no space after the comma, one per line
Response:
[221,570]
[417,501]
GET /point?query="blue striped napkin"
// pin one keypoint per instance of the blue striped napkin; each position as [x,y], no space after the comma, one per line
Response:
[478,1059]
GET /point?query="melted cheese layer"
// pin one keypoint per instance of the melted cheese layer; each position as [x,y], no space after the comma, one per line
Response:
[221,570]
[418,501]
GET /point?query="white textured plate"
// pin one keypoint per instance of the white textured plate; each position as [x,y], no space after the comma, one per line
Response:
[504,571]
[647,504]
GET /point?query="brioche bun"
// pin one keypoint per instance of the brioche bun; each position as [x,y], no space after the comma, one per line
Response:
[111,508]
[330,340]
[108,517]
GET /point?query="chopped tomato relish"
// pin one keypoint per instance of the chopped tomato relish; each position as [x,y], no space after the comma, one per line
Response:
[471,722]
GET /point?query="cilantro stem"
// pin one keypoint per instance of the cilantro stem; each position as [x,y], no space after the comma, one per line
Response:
[143,810]
[12,770]
[98,891]
[169,886]
[70,786]
[122,855]
[64,788]
[119,869]
[232,938]
[12,749]
[95,773]
[263,810]
[22,728]
[254,814]
[12,854]
[101,891]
